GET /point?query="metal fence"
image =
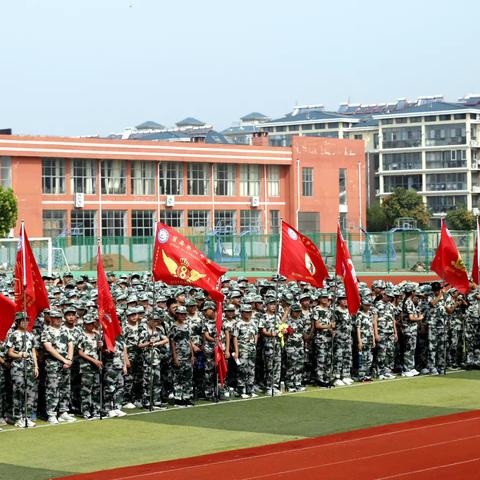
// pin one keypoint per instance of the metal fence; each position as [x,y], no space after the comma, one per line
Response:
[399,251]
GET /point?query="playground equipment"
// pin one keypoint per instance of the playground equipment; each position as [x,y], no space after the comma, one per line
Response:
[224,246]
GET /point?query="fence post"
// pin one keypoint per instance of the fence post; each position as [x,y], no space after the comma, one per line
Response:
[404,247]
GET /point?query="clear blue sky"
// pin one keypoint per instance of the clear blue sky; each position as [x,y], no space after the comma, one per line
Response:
[72,67]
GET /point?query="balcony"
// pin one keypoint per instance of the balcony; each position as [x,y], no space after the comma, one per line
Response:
[401,143]
[440,187]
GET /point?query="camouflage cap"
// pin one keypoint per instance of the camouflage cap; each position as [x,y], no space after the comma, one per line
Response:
[131,311]
[132,299]
[230,307]
[69,309]
[208,305]
[246,307]
[54,313]
[19,316]
[89,319]
[191,303]
[181,310]
[236,294]
[296,308]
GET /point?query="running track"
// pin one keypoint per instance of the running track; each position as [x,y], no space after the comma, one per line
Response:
[446,447]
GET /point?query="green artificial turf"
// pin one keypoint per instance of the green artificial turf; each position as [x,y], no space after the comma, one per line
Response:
[54,451]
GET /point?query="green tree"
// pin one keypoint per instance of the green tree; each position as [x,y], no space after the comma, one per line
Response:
[405,203]
[8,211]
[460,219]
[376,219]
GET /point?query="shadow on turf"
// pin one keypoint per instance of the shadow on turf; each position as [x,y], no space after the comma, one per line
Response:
[17,472]
[293,415]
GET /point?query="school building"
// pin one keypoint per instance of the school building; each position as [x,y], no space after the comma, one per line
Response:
[84,186]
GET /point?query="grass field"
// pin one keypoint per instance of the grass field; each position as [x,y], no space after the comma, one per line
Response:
[53,451]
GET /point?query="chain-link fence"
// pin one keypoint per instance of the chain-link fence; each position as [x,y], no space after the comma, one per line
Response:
[394,251]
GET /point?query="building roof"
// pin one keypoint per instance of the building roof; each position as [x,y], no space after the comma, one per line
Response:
[149,125]
[310,115]
[190,122]
[254,116]
[241,130]
[428,108]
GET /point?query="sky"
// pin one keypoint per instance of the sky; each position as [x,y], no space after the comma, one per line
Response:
[89,67]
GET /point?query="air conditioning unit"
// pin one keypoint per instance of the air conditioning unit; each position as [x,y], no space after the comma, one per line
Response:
[79,200]
[255,201]
[475,211]
[170,200]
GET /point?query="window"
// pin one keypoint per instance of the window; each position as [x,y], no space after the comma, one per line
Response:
[319,126]
[342,186]
[332,125]
[307,182]
[225,179]
[84,176]
[358,136]
[412,182]
[83,223]
[249,180]
[113,223]
[431,118]
[199,219]
[225,221]
[387,121]
[114,177]
[251,221]
[143,178]
[172,218]
[273,180]
[446,181]
[142,223]
[449,134]
[171,178]
[54,223]
[274,222]
[402,137]
[402,161]
[307,126]
[343,222]
[443,118]
[309,222]
[198,179]
[444,203]
[53,175]
[5,172]
[446,159]
[280,140]
[401,120]
[293,128]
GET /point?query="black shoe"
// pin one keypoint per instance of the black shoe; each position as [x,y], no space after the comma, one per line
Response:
[179,403]
[322,384]
[188,403]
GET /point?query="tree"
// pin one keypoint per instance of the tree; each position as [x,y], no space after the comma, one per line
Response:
[8,211]
[405,203]
[460,219]
[376,219]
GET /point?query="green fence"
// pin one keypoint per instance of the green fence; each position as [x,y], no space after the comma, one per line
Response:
[373,252]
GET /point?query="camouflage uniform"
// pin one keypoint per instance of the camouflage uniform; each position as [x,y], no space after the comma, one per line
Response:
[22,342]
[3,383]
[75,334]
[58,385]
[183,374]
[294,351]
[472,333]
[386,332]
[437,335]
[309,347]
[114,382]
[152,357]
[323,345]
[196,326]
[245,332]
[272,350]
[210,327]
[410,333]
[456,323]
[342,345]
[364,321]
[90,391]
[133,379]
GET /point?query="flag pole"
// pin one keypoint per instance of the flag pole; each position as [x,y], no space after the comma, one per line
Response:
[99,244]
[152,315]
[24,341]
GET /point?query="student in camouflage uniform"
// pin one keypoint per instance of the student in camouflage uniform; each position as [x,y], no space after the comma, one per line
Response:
[59,354]
[411,317]
[195,322]
[114,371]
[305,300]
[70,322]
[472,331]
[24,370]
[272,350]
[324,332]
[3,383]
[182,359]
[150,342]
[437,330]
[295,334]
[342,344]
[89,345]
[456,307]
[365,339]
[385,334]
[133,379]
[245,336]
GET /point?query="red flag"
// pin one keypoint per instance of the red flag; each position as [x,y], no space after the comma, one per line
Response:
[29,286]
[448,263]
[7,316]
[176,261]
[107,315]
[345,269]
[219,354]
[300,259]
[475,258]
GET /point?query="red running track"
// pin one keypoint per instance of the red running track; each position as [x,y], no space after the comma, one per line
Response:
[446,447]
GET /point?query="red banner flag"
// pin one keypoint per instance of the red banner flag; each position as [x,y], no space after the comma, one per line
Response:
[107,315]
[448,263]
[300,259]
[345,269]
[7,316]
[176,261]
[475,258]
[30,292]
